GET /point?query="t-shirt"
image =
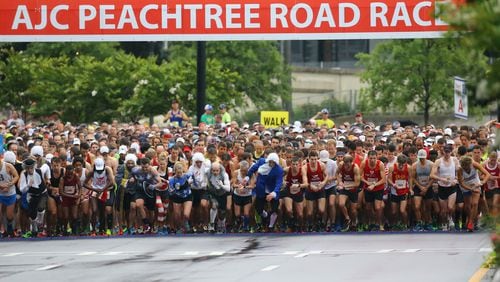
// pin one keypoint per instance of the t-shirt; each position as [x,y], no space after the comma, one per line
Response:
[208,119]
[226,118]
[329,123]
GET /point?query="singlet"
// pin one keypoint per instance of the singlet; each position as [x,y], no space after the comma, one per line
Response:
[294,179]
[175,119]
[447,171]
[6,177]
[70,185]
[246,192]
[199,176]
[400,179]
[54,181]
[373,175]
[99,180]
[331,169]
[423,172]
[315,177]
[494,171]
[470,178]
[348,176]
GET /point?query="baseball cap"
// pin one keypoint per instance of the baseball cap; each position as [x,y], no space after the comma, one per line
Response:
[76,141]
[208,107]
[181,140]
[340,144]
[9,157]
[273,157]
[448,131]
[324,111]
[122,150]
[450,142]
[99,163]
[308,143]
[37,150]
[104,150]
[422,154]
[222,106]
[324,155]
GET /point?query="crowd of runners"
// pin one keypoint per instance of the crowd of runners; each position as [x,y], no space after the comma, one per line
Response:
[59,179]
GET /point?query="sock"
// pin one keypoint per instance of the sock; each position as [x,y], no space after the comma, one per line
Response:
[109,221]
[246,220]
[213,215]
[274,216]
[264,214]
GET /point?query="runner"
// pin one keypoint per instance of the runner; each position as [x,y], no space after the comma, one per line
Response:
[348,180]
[374,179]
[32,183]
[293,196]
[70,189]
[218,186]
[8,180]
[125,202]
[422,189]
[330,189]
[492,186]
[200,215]
[182,198]
[315,194]
[400,181]
[242,197]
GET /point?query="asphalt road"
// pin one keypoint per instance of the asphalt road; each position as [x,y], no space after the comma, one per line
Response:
[326,257]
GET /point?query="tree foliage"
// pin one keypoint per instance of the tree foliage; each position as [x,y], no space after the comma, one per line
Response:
[417,72]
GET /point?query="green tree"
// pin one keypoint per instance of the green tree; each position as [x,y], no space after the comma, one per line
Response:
[262,75]
[400,73]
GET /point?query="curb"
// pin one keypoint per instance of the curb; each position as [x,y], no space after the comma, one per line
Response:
[479,275]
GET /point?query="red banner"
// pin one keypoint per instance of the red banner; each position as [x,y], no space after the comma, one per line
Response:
[191,20]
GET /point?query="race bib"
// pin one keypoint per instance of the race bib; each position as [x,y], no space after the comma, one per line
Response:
[294,190]
[400,184]
[70,190]
[424,180]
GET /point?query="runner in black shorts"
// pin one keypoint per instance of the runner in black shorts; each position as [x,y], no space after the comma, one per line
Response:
[348,179]
[293,196]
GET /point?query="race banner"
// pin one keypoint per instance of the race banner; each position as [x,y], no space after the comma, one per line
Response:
[205,20]
[460,100]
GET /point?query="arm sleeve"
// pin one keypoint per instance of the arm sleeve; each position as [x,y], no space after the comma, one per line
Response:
[23,183]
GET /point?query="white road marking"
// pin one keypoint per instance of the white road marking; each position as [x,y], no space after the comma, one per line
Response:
[485,250]
[12,254]
[315,252]
[86,253]
[303,255]
[410,250]
[48,267]
[269,268]
[112,253]
[385,251]
[191,253]
[216,253]
[291,252]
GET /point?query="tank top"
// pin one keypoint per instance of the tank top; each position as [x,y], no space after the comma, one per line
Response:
[424,172]
[70,185]
[174,118]
[447,171]
[373,175]
[85,191]
[294,179]
[99,180]
[347,176]
[470,178]
[494,171]
[315,177]
[246,192]
[6,177]
[54,181]
[400,179]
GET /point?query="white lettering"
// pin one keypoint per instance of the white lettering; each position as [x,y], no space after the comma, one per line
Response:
[249,15]
[213,13]
[231,15]
[127,17]
[342,13]
[83,17]
[416,13]
[43,18]
[294,12]
[324,15]
[400,14]
[177,16]
[143,16]
[275,15]
[192,13]
[53,17]
[22,17]
[103,17]
[375,14]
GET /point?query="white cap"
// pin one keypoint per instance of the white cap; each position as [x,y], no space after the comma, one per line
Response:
[104,149]
[324,155]
[341,137]
[383,139]
[37,150]
[297,130]
[76,141]
[180,139]
[308,143]
[447,131]
[49,157]
[198,157]
[267,132]
[131,157]
[122,150]
[450,142]
[208,107]
[9,157]
[136,147]
[273,157]
[99,163]
[362,138]
[421,134]
[422,154]
[340,144]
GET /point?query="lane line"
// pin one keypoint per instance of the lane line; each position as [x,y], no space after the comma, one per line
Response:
[48,267]
[303,255]
[485,250]
[12,254]
[410,250]
[86,253]
[269,268]
[216,253]
[191,253]
[315,252]
[385,251]
[291,253]
[112,253]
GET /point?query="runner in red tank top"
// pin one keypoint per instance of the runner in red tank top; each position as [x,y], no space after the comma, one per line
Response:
[400,180]
[293,195]
[492,186]
[316,178]
[348,179]
[373,178]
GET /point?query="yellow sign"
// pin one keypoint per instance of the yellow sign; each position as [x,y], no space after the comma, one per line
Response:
[273,119]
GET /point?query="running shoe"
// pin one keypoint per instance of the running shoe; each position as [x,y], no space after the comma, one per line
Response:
[27,234]
[108,232]
[347,225]
[470,227]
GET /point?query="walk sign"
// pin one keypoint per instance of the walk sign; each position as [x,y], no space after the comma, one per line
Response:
[273,119]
